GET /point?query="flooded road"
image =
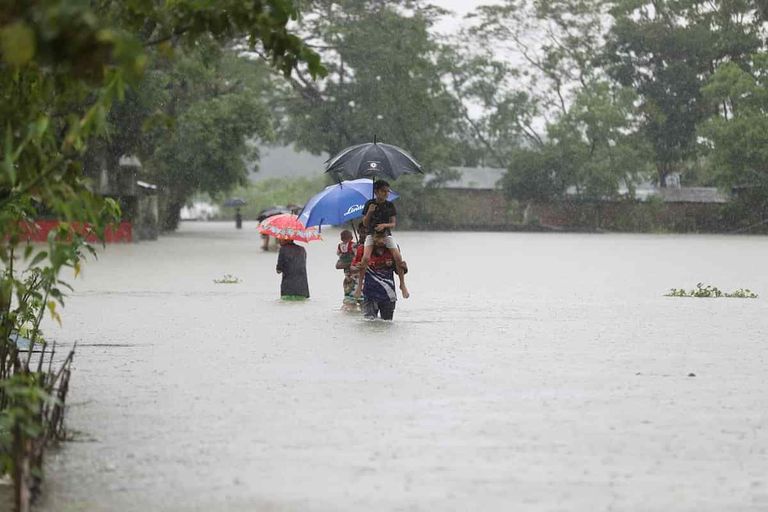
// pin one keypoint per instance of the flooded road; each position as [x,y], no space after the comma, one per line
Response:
[528,372]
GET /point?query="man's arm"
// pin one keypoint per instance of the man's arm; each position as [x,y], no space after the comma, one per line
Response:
[357,272]
[371,207]
[390,209]
[390,225]
[359,275]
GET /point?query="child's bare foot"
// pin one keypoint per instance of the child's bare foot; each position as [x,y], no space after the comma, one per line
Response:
[404,291]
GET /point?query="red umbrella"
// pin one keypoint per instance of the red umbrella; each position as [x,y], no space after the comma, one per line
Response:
[287,226]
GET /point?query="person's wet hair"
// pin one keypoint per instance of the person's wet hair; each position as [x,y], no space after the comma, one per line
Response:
[346,235]
[379,184]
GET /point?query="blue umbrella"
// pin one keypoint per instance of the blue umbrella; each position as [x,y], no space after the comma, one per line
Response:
[339,203]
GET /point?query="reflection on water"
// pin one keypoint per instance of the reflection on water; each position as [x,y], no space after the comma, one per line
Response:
[527,371]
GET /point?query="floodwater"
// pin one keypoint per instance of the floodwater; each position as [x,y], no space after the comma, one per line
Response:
[534,372]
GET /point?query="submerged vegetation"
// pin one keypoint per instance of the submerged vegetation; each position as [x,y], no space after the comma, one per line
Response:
[228,279]
[708,291]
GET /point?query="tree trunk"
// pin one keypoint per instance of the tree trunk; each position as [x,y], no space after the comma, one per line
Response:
[21,470]
[663,171]
[170,205]
[528,213]
[171,215]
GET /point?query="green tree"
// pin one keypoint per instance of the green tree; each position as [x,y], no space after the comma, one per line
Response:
[506,117]
[593,149]
[666,51]
[384,80]
[549,114]
[600,140]
[191,79]
[737,139]
[63,64]
[522,64]
[539,174]
[208,147]
[191,122]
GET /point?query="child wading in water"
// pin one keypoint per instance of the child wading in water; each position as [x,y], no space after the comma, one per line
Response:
[346,252]
[380,216]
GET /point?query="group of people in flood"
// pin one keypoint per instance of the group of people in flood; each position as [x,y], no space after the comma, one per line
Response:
[369,266]
[370,274]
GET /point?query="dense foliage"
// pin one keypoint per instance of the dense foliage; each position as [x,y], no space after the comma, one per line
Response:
[583,99]
[591,97]
[64,65]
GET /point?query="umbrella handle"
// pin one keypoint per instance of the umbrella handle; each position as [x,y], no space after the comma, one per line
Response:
[373,178]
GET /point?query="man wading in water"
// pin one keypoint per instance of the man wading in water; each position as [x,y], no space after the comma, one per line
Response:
[379,291]
[380,216]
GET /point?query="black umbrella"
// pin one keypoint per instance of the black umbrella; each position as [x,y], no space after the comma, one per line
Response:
[272,211]
[372,160]
[234,202]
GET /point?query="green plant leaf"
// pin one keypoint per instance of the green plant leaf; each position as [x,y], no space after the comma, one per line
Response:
[17,43]
[39,257]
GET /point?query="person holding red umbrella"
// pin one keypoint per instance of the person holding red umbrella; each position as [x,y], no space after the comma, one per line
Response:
[292,258]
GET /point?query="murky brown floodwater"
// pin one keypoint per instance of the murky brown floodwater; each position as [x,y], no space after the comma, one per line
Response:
[528,372]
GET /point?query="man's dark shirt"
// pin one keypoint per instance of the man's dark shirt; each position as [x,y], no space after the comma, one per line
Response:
[384,211]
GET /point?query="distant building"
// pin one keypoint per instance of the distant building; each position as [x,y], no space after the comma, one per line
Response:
[476,200]
[674,192]
[146,224]
[138,200]
[473,178]
[694,195]
[199,210]
[489,178]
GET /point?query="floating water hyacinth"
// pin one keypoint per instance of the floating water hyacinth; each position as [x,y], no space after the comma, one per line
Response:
[227,279]
[708,291]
